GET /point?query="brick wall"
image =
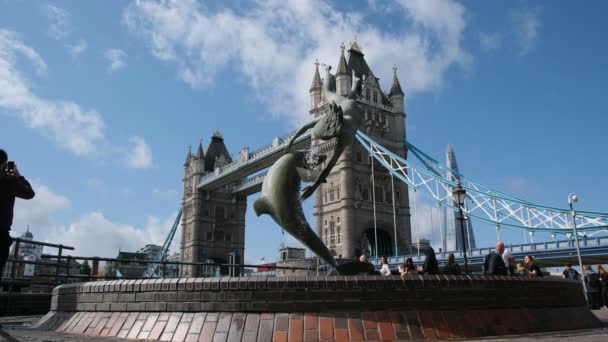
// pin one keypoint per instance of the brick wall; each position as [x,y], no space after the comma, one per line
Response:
[306,294]
[355,308]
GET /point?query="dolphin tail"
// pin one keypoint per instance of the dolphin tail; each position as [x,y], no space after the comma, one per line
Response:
[260,206]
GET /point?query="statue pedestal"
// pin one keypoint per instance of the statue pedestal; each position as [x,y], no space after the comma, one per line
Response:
[332,307]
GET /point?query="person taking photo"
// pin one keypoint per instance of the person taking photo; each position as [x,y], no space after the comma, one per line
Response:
[12,185]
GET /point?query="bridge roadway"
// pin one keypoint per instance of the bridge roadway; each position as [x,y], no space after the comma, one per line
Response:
[547,254]
[241,176]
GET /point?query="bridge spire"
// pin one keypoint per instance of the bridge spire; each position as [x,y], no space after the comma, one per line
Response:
[396,87]
[199,153]
[188,156]
[316,80]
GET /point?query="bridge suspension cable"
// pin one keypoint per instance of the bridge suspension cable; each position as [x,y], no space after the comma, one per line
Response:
[487,204]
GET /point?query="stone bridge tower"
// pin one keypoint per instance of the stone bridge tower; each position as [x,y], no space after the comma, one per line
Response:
[343,207]
[213,223]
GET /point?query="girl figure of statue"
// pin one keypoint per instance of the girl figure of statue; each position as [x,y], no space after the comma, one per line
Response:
[341,122]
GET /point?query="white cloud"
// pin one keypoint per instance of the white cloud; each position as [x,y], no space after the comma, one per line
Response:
[71,127]
[60,21]
[65,122]
[116,57]
[39,211]
[92,234]
[275,43]
[526,25]
[490,41]
[169,194]
[78,48]
[140,155]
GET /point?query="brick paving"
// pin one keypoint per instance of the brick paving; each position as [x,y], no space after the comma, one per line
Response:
[239,327]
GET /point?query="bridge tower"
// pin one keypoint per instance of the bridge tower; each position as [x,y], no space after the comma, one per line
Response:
[213,223]
[343,207]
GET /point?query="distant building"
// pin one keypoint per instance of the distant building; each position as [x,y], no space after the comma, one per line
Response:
[133,266]
[421,244]
[27,252]
[153,251]
[452,234]
[295,257]
[292,253]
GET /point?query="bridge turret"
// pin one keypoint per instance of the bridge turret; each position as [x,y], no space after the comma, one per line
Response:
[343,77]
[396,94]
[315,88]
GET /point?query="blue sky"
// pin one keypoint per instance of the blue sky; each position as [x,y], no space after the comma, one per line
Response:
[100,100]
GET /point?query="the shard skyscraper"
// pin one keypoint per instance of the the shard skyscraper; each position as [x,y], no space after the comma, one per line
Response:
[452,232]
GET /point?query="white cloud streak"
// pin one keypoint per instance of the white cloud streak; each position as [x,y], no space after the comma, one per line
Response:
[140,155]
[78,48]
[65,122]
[275,43]
[38,212]
[526,26]
[490,42]
[60,21]
[117,59]
[78,130]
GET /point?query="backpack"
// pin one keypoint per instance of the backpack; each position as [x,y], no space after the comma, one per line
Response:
[486,263]
[593,280]
[571,274]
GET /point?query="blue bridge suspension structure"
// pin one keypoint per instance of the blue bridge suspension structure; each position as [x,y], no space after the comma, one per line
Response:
[430,179]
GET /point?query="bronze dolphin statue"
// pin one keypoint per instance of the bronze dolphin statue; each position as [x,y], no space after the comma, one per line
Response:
[280,198]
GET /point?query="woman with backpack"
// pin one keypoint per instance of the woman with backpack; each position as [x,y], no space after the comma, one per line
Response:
[604,284]
[594,288]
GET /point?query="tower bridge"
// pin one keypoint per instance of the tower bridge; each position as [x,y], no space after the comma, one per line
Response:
[364,206]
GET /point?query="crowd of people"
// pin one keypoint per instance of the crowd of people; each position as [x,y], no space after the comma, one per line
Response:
[499,262]
[502,262]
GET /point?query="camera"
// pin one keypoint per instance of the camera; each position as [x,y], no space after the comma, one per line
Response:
[10,166]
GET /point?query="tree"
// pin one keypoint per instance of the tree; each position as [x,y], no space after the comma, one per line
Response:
[85,269]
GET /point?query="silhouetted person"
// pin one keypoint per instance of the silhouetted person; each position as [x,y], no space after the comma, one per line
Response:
[451,268]
[12,185]
[493,263]
[569,272]
[430,262]
[594,287]
[604,285]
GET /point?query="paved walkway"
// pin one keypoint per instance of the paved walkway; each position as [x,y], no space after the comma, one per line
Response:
[16,328]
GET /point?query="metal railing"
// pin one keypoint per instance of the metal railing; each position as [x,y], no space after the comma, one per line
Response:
[14,262]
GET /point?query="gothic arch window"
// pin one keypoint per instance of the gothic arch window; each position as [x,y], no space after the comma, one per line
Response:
[359,156]
[367,94]
[338,192]
[375,97]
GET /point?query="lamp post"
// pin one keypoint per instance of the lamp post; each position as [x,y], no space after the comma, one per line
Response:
[572,198]
[460,195]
